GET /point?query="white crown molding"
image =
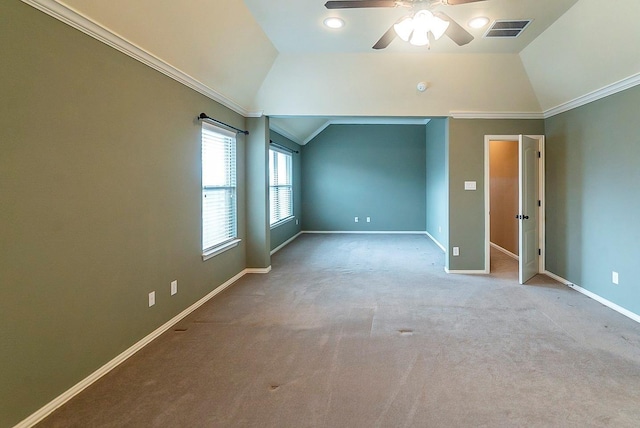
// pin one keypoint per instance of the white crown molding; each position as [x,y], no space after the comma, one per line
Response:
[495,115]
[614,88]
[596,95]
[285,133]
[80,22]
[366,121]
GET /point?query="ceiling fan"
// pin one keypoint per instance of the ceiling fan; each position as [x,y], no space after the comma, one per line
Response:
[417,28]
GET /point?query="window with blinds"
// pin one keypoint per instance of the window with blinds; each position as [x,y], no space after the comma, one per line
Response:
[218,187]
[280,186]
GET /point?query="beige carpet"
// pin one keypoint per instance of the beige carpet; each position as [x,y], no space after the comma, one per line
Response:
[368,331]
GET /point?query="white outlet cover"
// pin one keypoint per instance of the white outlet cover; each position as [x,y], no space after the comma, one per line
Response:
[614,277]
[174,287]
[368,219]
[356,219]
[152,298]
[456,251]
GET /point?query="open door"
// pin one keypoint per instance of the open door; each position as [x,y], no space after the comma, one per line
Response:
[528,207]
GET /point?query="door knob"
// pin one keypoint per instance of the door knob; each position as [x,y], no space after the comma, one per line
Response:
[526,217]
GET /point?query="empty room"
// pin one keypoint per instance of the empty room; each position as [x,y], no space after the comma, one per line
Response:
[315,213]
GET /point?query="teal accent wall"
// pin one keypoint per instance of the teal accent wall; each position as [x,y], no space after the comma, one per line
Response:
[466,163]
[592,196]
[285,231]
[365,170]
[437,136]
[100,204]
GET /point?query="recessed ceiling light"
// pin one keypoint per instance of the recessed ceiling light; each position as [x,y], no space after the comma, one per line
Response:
[334,22]
[479,22]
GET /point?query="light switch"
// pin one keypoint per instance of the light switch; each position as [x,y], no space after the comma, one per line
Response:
[469,185]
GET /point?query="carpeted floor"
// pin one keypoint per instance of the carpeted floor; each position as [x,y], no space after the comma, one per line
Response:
[368,331]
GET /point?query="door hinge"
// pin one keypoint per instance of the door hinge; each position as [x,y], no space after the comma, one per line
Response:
[539,203]
[539,252]
[539,154]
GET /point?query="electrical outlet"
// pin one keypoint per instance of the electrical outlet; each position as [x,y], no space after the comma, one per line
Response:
[456,251]
[614,277]
[297,222]
[356,219]
[368,219]
[174,287]
[152,298]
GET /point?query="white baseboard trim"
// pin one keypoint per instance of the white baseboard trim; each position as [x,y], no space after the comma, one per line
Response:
[258,270]
[285,243]
[505,251]
[436,242]
[93,377]
[371,232]
[467,272]
[627,313]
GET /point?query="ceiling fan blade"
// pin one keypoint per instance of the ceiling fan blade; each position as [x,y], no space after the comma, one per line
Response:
[355,4]
[455,31]
[386,39]
[457,2]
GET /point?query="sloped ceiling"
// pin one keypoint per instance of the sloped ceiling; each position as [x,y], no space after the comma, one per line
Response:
[276,57]
[591,46]
[216,42]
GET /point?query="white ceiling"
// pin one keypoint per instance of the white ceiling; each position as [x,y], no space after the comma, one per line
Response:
[275,57]
[295,26]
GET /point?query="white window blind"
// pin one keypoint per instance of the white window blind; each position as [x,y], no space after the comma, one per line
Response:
[280,185]
[218,187]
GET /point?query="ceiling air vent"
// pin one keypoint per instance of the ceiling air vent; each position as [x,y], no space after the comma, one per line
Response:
[507,29]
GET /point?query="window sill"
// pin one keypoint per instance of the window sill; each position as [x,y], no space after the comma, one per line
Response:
[283,221]
[220,249]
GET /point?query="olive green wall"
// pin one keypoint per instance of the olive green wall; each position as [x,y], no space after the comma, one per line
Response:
[592,173]
[288,230]
[437,133]
[100,205]
[466,163]
[258,236]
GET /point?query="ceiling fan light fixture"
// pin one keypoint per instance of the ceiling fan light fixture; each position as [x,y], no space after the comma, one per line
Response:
[333,23]
[419,38]
[478,22]
[404,28]
[438,27]
[415,29]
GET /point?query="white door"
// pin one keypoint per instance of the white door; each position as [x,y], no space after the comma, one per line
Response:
[528,205]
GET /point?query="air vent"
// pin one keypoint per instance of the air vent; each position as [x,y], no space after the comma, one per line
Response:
[507,29]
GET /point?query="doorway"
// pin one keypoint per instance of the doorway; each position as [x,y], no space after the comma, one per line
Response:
[514,201]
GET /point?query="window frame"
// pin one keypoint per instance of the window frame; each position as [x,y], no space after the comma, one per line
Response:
[230,187]
[289,155]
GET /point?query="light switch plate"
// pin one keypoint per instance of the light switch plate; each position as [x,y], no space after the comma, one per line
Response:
[470,185]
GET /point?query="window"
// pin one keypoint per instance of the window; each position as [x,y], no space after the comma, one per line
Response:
[280,186]
[219,227]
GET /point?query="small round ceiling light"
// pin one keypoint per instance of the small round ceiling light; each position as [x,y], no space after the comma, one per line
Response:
[479,22]
[333,23]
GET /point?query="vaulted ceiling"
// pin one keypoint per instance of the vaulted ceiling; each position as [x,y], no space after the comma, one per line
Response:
[276,58]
